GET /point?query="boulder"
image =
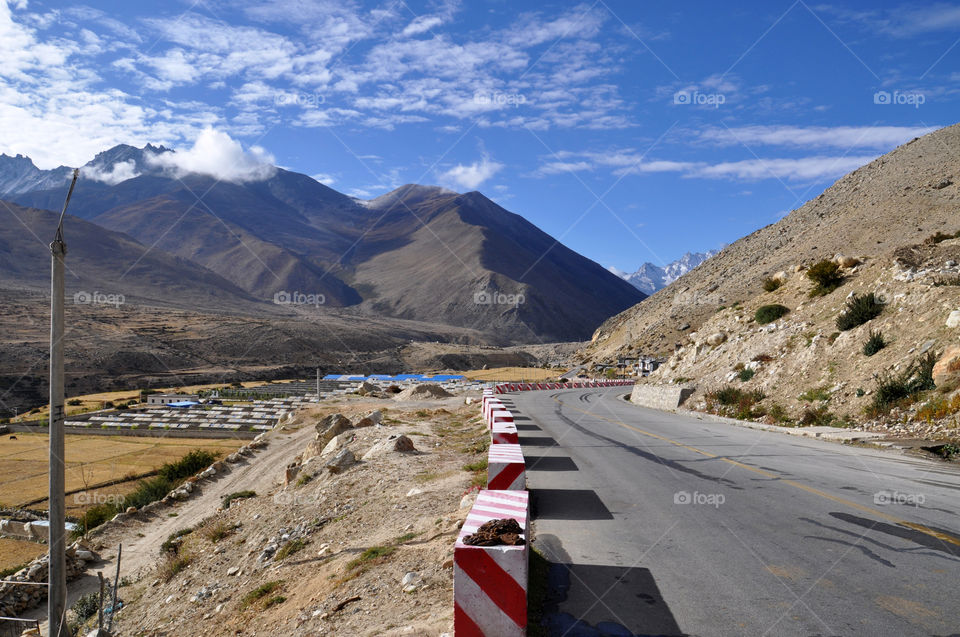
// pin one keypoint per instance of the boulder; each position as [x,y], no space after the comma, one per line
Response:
[327,429]
[341,461]
[780,277]
[954,319]
[845,261]
[717,338]
[403,444]
[336,442]
[371,419]
[947,370]
[365,388]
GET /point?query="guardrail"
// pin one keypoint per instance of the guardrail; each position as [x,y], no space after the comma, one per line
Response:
[505,388]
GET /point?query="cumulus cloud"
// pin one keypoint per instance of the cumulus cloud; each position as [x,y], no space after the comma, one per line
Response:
[120,171]
[472,175]
[216,154]
[422,24]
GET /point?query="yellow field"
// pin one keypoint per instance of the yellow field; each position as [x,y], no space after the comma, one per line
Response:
[519,374]
[90,460]
[91,402]
[14,553]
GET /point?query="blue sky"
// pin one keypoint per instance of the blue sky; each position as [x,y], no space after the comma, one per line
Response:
[632,131]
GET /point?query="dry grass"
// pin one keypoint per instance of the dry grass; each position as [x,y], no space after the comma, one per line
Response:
[14,553]
[90,460]
[518,374]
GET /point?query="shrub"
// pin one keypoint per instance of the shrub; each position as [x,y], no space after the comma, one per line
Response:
[87,606]
[816,394]
[819,416]
[174,541]
[825,276]
[737,402]
[290,548]
[746,374]
[769,313]
[875,343]
[939,408]
[904,387]
[73,402]
[940,237]
[778,412]
[173,564]
[771,284]
[370,555]
[190,464]
[859,310]
[237,495]
[218,531]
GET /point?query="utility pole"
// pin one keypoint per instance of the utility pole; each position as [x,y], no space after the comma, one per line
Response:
[318,384]
[57,574]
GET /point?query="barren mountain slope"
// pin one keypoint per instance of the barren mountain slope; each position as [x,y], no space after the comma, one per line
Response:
[898,199]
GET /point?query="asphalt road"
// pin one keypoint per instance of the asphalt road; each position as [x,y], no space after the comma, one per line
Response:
[659,524]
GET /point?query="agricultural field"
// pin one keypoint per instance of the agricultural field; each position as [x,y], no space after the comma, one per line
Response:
[91,461]
[15,553]
[517,374]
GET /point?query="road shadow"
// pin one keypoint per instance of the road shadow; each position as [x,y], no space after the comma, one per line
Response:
[568,504]
[538,441]
[517,418]
[530,427]
[589,600]
[946,545]
[550,463]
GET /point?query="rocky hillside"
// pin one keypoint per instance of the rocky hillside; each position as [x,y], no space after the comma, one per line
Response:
[893,229]
[897,200]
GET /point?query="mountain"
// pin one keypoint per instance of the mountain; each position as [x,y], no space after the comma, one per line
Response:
[419,253]
[649,277]
[875,213]
[109,263]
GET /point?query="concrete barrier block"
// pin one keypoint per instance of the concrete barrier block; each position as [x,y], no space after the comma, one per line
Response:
[504,433]
[506,469]
[666,397]
[490,582]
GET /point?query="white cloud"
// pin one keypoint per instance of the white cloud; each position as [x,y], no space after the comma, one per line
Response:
[803,169]
[845,137]
[325,179]
[422,24]
[215,154]
[121,171]
[472,175]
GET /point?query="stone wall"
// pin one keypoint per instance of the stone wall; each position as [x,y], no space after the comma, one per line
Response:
[665,397]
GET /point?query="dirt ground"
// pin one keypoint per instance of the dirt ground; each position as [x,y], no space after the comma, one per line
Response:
[359,534]
[90,460]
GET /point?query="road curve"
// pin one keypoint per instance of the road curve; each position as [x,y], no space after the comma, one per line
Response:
[660,524]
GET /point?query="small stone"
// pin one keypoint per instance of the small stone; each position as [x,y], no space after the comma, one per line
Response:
[403,444]
[233,570]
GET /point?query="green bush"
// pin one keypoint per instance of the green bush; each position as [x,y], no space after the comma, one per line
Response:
[859,310]
[825,276]
[238,495]
[771,284]
[737,402]
[819,416]
[875,343]
[769,313]
[73,402]
[87,606]
[905,386]
[192,463]
[746,374]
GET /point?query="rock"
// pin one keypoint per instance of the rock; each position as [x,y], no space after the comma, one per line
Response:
[954,319]
[947,369]
[341,461]
[327,430]
[370,420]
[467,501]
[684,327]
[86,556]
[233,570]
[403,444]
[293,469]
[845,261]
[780,277]
[950,263]
[799,268]
[336,443]
[365,388]
[717,338]
[131,510]
[411,577]
[414,491]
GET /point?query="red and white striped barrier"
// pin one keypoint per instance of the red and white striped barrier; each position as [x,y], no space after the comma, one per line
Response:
[499,415]
[506,468]
[504,433]
[503,388]
[489,406]
[490,582]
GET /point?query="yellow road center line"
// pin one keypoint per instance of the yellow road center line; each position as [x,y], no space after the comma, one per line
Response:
[880,514]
